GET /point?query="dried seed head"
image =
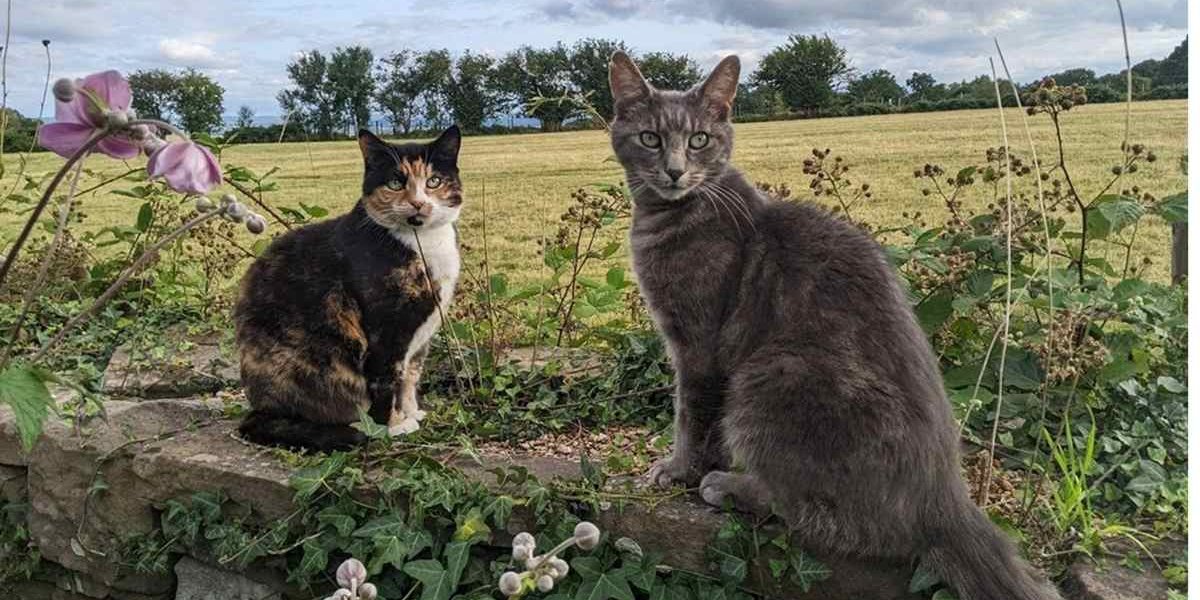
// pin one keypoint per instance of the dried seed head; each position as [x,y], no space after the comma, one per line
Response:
[587,535]
[545,583]
[64,90]
[510,583]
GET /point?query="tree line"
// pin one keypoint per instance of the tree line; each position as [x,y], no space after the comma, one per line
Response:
[332,95]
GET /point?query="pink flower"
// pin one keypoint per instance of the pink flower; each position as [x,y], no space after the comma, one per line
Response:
[85,114]
[187,166]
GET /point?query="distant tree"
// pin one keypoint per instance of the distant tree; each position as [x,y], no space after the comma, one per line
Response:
[589,71]
[154,94]
[245,118]
[526,74]
[311,101]
[757,100]
[919,84]
[433,76]
[471,91]
[199,102]
[351,85]
[1147,68]
[668,71]
[1173,70]
[1116,81]
[1078,76]
[877,86]
[398,89]
[805,71]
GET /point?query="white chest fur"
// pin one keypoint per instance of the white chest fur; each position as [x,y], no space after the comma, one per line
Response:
[439,246]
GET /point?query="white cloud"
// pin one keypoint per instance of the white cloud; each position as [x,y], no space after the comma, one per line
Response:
[188,53]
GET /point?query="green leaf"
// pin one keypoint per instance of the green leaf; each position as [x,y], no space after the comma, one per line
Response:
[934,311]
[472,529]
[144,217]
[1172,385]
[457,554]
[943,594]
[605,587]
[616,277]
[807,570]
[314,211]
[387,525]
[1112,213]
[24,390]
[1173,209]
[388,551]
[315,558]
[341,522]
[588,567]
[433,576]
[498,284]
[1151,477]
[1021,370]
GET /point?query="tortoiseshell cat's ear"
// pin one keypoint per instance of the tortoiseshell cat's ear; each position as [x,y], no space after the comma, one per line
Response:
[718,90]
[626,81]
[444,150]
[367,141]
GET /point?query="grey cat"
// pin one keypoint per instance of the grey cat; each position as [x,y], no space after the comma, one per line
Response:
[797,357]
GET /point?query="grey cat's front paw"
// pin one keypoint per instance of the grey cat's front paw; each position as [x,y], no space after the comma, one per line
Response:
[715,488]
[669,471]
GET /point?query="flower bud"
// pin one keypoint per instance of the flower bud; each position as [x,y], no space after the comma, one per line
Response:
[522,553]
[255,223]
[351,573]
[116,119]
[559,568]
[152,143]
[342,594]
[64,90]
[524,539]
[227,199]
[545,583]
[510,583]
[626,545]
[367,592]
[236,212]
[534,562]
[203,204]
[587,536]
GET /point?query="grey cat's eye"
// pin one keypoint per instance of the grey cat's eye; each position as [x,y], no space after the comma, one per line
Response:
[698,140]
[395,184]
[434,182]
[650,139]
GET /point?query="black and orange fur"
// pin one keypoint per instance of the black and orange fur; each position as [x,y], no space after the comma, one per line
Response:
[326,314]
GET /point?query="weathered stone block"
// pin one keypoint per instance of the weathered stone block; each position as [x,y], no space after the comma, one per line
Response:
[202,368]
[14,484]
[199,581]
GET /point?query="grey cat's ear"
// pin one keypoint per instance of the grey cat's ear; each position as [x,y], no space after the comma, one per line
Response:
[368,140]
[717,92]
[445,147]
[626,81]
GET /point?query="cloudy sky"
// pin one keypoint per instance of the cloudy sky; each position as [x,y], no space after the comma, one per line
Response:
[245,44]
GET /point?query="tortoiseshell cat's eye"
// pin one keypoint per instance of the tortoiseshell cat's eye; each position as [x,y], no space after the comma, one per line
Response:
[433,182]
[650,139]
[395,184]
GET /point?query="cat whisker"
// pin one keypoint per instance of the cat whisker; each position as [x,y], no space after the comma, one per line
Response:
[737,201]
[714,200]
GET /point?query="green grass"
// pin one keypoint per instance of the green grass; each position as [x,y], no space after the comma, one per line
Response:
[525,181]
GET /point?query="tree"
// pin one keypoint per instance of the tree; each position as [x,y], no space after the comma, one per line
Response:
[668,71]
[1077,76]
[805,71]
[1173,70]
[877,86]
[527,75]
[470,91]
[199,102]
[311,101]
[399,89]
[154,93]
[245,118]
[433,69]
[757,100]
[922,86]
[349,80]
[589,71]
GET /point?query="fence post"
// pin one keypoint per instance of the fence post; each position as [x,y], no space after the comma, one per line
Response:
[1178,252]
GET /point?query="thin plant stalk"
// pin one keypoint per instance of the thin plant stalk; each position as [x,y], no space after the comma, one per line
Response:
[987,482]
[4,77]
[147,257]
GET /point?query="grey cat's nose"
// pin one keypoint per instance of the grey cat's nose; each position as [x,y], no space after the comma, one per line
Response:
[674,174]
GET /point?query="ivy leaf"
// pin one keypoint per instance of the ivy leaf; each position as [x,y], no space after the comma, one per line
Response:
[607,586]
[922,579]
[388,551]
[472,529]
[457,554]
[387,525]
[733,568]
[588,567]
[315,558]
[342,522]
[309,480]
[24,389]
[433,577]
[807,570]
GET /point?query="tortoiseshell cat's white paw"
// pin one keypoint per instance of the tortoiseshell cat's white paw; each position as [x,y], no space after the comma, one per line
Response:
[668,472]
[405,427]
[418,415]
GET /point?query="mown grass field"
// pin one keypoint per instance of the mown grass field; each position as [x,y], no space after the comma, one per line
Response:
[523,182]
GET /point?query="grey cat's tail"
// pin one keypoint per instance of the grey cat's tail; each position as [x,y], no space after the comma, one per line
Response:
[281,430]
[979,561]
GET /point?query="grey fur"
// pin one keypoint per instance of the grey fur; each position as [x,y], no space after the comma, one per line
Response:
[797,356]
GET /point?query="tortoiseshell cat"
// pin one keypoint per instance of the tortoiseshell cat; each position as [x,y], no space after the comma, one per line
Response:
[805,386]
[336,317]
